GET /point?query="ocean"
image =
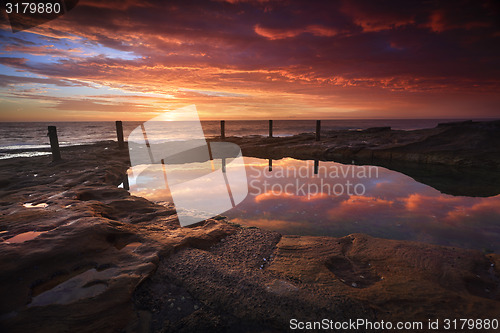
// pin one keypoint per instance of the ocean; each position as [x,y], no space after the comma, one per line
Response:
[25,139]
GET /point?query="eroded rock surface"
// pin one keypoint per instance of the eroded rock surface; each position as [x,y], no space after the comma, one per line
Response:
[464,144]
[79,254]
[75,247]
[398,279]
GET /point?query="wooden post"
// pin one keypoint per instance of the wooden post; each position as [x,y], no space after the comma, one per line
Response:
[270,128]
[270,164]
[126,184]
[222,129]
[316,166]
[318,129]
[119,134]
[54,143]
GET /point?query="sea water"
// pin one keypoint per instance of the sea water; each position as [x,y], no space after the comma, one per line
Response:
[30,138]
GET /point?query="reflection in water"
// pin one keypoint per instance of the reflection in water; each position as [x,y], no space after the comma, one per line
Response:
[471,182]
[31,205]
[132,246]
[333,199]
[343,199]
[197,187]
[24,237]
[86,285]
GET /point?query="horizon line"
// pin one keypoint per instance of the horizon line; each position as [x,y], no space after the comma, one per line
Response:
[266,119]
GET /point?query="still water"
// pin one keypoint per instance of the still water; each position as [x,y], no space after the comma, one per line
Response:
[332,199]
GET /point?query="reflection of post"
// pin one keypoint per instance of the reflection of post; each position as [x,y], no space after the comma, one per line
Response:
[146,140]
[318,129]
[54,143]
[270,164]
[222,129]
[224,164]
[164,172]
[316,166]
[270,128]
[126,184]
[119,133]
[210,156]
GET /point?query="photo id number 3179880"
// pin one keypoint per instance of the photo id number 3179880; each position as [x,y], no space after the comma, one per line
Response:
[53,7]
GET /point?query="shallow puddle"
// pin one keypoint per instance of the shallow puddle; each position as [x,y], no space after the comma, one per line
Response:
[88,284]
[132,246]
[40,205]
[25,236]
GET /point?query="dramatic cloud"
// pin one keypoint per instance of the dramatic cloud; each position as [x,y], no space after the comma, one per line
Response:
[316,30]
[261,59]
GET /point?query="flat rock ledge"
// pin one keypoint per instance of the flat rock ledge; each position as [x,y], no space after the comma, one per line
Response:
[80,254]
[464,144]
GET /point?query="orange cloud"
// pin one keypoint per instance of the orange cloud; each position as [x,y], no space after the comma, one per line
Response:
[270,195]
[273,224]
[376,25]
[418,202]
[484,207]
[281,195]
[274,33]
[260,59]
[355,202]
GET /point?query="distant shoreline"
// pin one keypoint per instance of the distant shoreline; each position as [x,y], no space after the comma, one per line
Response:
[18,140]
[264,119]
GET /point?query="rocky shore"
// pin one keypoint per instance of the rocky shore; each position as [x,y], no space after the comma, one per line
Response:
[80,254]
[462,144]
[455,158]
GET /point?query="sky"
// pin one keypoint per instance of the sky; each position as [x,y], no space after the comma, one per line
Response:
[236,59]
